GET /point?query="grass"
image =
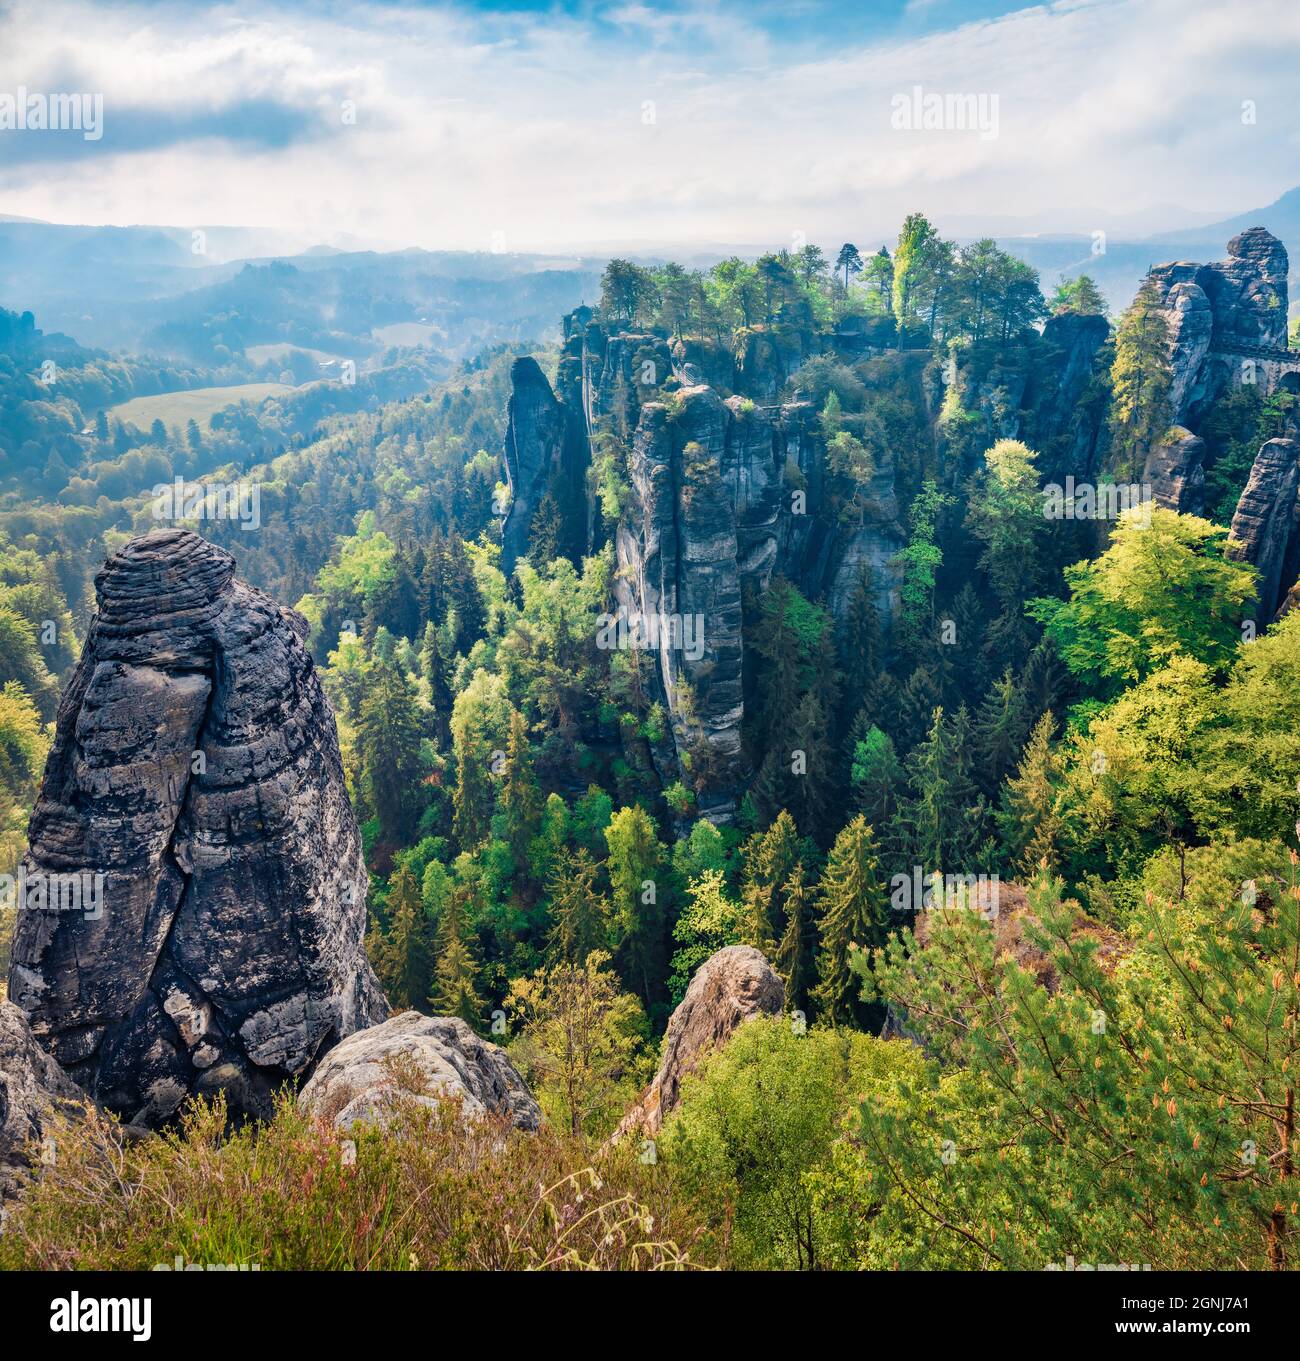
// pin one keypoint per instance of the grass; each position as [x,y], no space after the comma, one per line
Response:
[429,1192]
[177,409]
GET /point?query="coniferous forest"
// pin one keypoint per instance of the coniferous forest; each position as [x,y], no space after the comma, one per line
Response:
[763,758]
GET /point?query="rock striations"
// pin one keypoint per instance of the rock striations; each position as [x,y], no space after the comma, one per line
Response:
[1227,321]
[731,987]
[194,791]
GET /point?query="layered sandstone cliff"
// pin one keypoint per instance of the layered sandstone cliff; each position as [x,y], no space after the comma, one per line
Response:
[195,794]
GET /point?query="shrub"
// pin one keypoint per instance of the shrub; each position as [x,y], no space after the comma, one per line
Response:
[429,1192]
[759,1117]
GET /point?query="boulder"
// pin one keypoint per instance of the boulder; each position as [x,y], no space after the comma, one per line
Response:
[418,1058]
[730,987]
[32,1088]
[194,813]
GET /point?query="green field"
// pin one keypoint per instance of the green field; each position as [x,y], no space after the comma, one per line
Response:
[177,409]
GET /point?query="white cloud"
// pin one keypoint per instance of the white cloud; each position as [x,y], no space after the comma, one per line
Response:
[470,123]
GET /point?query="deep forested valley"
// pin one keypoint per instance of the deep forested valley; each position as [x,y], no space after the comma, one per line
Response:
[865,647]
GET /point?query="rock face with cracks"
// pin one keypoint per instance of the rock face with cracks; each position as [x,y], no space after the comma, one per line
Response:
[194,797]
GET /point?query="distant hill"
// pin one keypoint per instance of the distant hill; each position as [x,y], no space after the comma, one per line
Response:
[145,289]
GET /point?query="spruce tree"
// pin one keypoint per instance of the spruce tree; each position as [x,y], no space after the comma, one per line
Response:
[407,959]
[853,910]
[1001,727]
[388,742]
[795,956]
[454,992]
[770,858]
[1030,817]
[579,912]
[521,800]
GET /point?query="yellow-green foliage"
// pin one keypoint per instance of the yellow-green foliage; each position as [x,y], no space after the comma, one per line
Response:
[758,1120]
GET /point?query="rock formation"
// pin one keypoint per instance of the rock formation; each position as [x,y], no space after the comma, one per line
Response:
[546,454]
[32,1087]
[194,800]
[1175,472]
[1066,431]
[1227,322]
[1266,526]
[730,987]
[726,485]
[418,1058]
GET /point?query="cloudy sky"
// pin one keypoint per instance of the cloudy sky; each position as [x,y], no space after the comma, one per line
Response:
[580,125]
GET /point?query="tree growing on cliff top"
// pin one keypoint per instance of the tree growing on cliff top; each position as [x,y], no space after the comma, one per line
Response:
[626,290]
[848,262]
[1141,380]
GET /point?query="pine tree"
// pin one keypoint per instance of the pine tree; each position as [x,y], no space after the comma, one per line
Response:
[407,959]
[454,992]
[1141,380]
[853,911]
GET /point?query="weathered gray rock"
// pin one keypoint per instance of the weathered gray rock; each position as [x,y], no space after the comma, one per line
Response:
[1248,290]
[1067,429]
[679,555]
[32,1088]
[1220,317]
[195,777]
[729,988]
[416,1058]
[1175,472]
[1266,526]
[535,428]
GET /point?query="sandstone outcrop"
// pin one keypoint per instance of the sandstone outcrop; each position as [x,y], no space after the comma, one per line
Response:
[1227,321]
[732,986]
[417,1058]
[1266,526]
[194,799]
[32,1088]
[1175,472]
[1065,430]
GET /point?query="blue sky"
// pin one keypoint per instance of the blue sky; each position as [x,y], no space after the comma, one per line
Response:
[581,125]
